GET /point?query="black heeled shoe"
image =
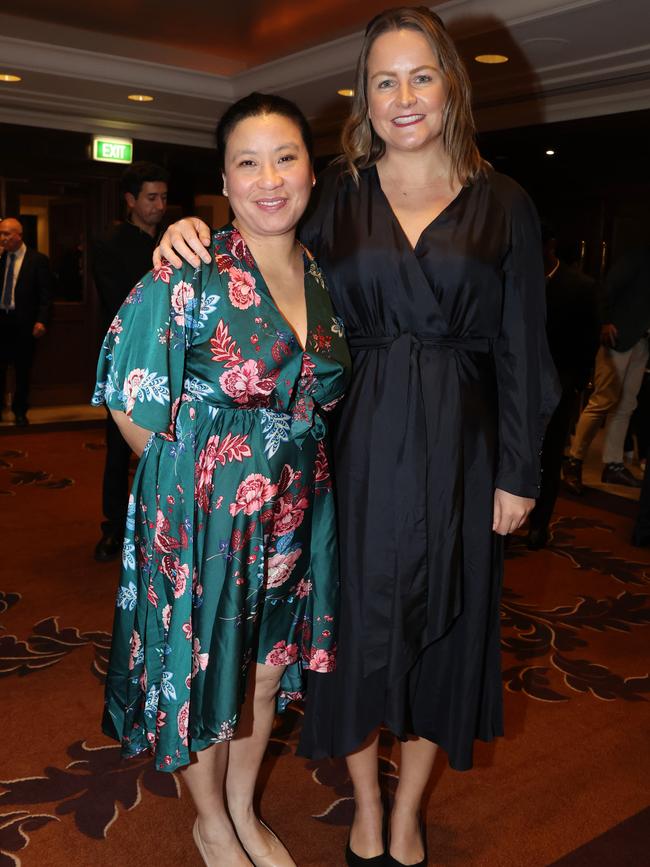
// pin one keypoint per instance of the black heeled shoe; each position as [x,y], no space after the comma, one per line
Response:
[354,860]
[393,862]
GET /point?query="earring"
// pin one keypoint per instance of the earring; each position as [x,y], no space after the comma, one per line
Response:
[225,192]
[313,182]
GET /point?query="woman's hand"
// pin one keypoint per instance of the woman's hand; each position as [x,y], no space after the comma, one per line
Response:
[510,512]
[188,238]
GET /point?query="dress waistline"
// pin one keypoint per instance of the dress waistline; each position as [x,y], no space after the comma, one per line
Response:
[464,344]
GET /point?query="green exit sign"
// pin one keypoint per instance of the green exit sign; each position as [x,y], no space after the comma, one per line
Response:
[112,150]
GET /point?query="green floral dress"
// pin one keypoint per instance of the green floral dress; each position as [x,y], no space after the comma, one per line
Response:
[230,549]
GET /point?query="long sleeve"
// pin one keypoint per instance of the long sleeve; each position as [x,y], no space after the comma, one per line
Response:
[44,289]
[141,366]
[526,379]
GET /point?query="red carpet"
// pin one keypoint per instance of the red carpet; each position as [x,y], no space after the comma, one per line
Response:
[568,784]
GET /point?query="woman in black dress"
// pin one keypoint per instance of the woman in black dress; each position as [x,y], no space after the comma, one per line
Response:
[434,263]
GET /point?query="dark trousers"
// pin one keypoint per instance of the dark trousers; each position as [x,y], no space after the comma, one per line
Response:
[552,453]
[17,350]
[115,492]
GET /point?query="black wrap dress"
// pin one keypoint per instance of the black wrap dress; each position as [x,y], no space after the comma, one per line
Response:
[451,391]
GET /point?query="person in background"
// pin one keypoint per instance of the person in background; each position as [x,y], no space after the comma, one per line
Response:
[119,260]
[620,367]
[25,305]
[434,263]
[572,327]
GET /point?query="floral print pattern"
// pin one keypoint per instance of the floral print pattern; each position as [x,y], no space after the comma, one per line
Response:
[228,542]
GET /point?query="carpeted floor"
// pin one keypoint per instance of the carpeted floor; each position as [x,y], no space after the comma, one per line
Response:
[567,785]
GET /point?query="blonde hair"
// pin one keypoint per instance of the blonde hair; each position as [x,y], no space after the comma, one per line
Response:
[362,147]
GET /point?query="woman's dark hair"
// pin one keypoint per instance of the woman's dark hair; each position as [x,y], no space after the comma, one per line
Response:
[256,105]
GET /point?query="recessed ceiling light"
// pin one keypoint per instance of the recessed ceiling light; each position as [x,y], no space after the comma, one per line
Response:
[345,91]
[550,152]
[491,58]
[5,76]
[140,97]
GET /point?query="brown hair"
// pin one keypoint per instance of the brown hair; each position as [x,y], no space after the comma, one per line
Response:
[362,147]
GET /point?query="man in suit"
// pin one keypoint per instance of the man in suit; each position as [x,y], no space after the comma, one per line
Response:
[620,367]
[572,327]
[119,261]
[25,303]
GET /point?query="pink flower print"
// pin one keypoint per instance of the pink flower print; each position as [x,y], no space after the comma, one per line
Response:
[135,645]
[199,660]
[183,720]
[166,617]
[303,588]
[182,576]
[244,383]
[160,719]
[241,289]
[287,514]
[204,471]
[115,328]
[182,293]
[224,262]
[187,630]
[251,494]
[280,567]
[163,273]
[322,660]
[321,466]
[132,386]
[282,654]
[237,247]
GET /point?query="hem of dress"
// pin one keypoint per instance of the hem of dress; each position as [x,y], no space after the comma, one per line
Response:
[352,746]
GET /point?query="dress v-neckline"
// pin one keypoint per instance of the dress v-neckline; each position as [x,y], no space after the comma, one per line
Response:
[306,262]
[413,247]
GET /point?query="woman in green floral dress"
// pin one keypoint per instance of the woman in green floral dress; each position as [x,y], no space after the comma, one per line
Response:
[229,556]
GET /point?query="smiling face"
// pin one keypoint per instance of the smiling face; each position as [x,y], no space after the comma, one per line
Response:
[406,91]
[267,174]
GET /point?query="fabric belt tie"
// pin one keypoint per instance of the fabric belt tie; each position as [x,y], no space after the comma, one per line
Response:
[415,496]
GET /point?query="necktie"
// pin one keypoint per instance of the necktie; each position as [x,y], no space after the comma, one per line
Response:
[7,291]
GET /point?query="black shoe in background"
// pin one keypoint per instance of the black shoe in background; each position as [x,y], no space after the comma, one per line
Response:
[572,475]
[537,538]
[108,548]
[618,474]
[21,420]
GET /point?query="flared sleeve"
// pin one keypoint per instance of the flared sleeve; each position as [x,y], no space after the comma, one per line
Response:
[142,360]
[528,389]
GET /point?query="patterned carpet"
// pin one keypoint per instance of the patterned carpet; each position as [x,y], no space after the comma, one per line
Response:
[567,785]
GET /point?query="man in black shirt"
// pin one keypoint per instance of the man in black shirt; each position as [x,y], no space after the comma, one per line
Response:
[572,327]
[120,260]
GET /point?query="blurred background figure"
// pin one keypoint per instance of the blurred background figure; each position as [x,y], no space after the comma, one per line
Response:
[119,261]
[25,303]
[620,367]
[572,326]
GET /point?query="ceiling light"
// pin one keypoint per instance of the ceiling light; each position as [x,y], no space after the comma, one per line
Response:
[5,76]
[345,91]
[491,58]
[140,97]
[550,152]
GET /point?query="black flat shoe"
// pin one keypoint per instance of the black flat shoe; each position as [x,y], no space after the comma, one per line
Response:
[354,860]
